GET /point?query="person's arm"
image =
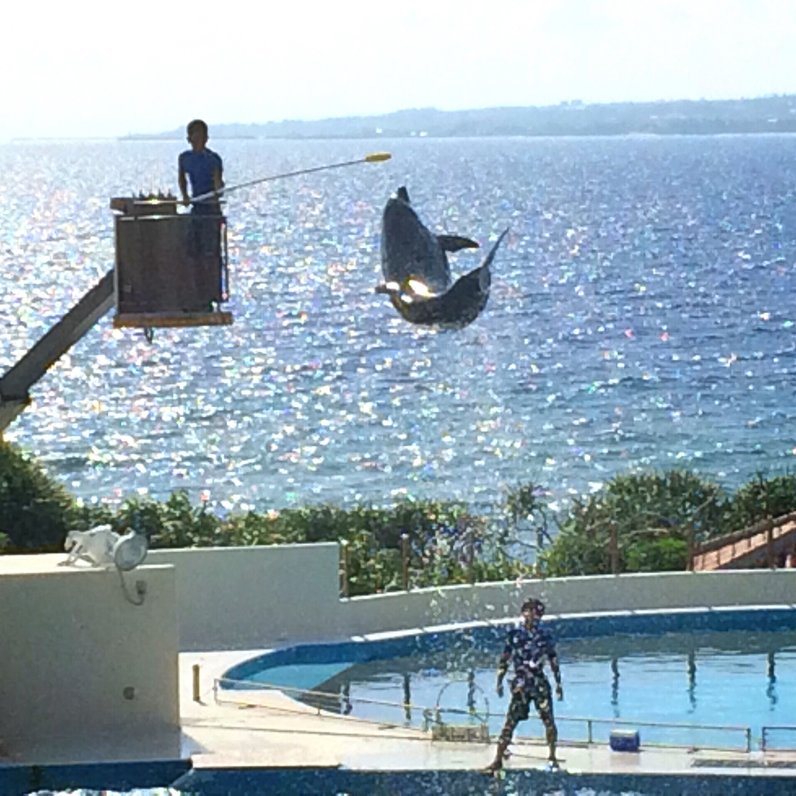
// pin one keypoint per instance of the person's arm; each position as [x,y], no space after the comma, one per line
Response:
[556,673]
[503,666]
[182,181]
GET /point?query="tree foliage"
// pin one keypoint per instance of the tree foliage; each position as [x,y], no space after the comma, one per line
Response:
[36,512]
[649,514]
[761,498]
[652,515]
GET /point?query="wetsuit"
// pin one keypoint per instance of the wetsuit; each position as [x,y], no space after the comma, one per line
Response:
[527,649]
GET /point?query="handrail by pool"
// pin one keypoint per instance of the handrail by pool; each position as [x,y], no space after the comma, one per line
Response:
[590,722]
[428,712]
[263,686]
[772,728]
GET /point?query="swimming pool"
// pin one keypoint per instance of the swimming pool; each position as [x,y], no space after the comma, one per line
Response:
[694,667]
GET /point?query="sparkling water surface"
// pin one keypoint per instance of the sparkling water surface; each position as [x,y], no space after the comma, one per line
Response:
[641,316]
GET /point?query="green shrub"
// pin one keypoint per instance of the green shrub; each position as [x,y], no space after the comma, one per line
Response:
[372,568]
[445,543]
[574,552]
[663,554]
[36,512]
[173,523]
[761,498]
[646,509]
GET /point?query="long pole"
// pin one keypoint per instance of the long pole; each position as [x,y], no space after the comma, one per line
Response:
[376,157]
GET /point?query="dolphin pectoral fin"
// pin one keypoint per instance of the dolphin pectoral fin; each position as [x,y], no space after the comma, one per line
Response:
[452,243]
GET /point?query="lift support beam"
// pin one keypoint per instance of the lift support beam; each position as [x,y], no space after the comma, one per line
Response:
[16,383]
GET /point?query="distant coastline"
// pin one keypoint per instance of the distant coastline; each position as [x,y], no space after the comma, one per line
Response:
[172,137]
[773,114]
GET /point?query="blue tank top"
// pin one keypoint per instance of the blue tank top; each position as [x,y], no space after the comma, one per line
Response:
[200,166]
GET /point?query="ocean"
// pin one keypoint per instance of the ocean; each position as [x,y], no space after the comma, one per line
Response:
[641,317]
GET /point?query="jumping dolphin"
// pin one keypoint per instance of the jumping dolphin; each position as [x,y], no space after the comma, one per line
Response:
[416,271]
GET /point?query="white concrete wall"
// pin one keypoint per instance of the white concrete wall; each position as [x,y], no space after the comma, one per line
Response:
[571,596]
[255,597]
[70,644]
[240,597]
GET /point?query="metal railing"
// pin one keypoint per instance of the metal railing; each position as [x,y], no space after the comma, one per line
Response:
[775,729]
[699,736]
[744,743]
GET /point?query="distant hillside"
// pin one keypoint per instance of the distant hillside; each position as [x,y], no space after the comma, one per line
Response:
[764,114]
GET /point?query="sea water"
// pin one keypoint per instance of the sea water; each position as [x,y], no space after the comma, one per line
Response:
[641,317]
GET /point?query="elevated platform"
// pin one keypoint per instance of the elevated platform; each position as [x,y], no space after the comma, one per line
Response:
[167,320]
[171,268]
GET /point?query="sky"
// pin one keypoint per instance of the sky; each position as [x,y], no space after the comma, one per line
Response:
[103,68]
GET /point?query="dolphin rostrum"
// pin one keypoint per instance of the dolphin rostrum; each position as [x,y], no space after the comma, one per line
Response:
[417,275]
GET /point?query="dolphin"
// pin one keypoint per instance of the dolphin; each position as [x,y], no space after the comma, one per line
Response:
[457,307]
[417,275]
[410,251]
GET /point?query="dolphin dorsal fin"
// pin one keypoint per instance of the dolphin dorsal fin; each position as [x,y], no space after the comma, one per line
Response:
[403,194]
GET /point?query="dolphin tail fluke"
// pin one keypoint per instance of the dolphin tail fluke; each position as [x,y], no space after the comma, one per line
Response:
[452,243]
[491,256]
[482,274]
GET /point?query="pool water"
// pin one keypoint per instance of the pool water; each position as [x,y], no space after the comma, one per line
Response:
[706,678]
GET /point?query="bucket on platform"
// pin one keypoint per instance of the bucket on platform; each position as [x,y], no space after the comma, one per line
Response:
[624,740]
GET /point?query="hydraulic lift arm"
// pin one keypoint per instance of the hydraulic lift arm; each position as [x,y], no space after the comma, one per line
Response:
[16,383]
